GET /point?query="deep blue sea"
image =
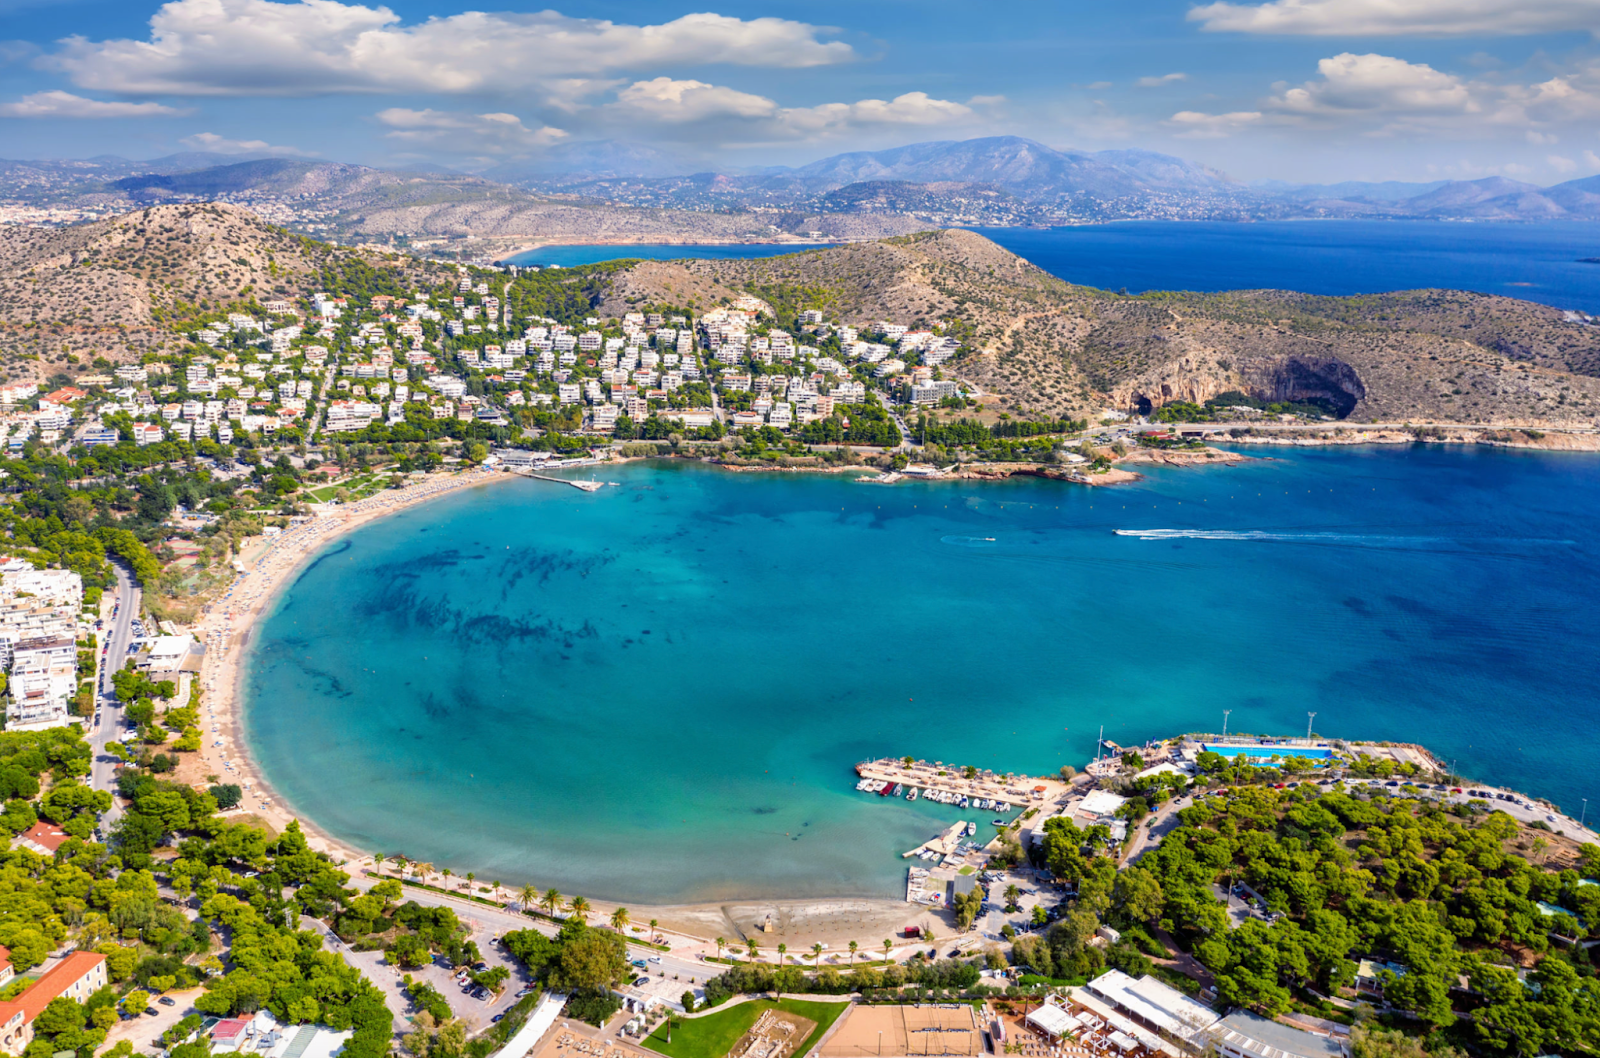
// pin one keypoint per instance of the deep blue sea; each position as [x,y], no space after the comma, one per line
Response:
[569,256]
[1537,262]
[656,692]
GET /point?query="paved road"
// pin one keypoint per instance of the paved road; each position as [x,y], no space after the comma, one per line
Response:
[118,636]
[670,976]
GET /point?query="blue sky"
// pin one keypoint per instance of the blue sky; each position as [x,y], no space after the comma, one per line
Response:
[1306,90]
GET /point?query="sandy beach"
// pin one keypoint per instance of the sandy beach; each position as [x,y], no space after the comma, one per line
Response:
[225,627]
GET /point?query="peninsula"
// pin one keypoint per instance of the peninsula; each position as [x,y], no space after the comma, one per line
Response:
[204,403]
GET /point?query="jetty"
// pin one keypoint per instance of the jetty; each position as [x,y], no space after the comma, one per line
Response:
[1014,790]
[586,486]
[946,844]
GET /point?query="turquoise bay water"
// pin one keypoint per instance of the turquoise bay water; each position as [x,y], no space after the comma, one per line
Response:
[656,692]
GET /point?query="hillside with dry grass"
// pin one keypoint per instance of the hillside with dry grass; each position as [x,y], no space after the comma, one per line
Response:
[114,288]
[1043,345]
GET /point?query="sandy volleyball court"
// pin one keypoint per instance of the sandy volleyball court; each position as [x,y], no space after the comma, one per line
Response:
[911,1029]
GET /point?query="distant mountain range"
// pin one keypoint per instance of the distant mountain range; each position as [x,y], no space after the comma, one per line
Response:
[995,181]
[1046,184]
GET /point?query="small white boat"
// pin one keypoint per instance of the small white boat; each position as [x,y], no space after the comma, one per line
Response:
[912,796]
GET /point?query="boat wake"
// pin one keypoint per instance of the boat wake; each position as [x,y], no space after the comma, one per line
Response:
[972,541]
[1369,540]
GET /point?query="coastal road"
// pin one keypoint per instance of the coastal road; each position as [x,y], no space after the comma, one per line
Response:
[673,974]
[102,773]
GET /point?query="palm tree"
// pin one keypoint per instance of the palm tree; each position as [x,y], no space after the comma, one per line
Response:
[528,897]
[447,875]
[619,919]
[377,863]
[755,949]
[551,901]
[853,947]
[1012,892]
[471,877]
[579,908]
[783,949]
[654,936]
[887,944]
[424,869]
[816,954]
[720,943]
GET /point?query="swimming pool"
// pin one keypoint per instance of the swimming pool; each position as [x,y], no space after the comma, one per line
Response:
[1266,752]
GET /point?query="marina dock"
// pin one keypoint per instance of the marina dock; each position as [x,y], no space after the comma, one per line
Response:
[1016,791]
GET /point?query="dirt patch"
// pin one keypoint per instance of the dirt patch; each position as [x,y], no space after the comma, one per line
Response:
[775,1034]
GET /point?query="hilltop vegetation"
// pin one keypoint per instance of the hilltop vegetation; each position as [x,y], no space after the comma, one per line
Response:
[1051,348]
[115,289]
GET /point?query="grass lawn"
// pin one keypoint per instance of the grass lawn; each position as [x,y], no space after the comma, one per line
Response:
[713,1036]
[360,487]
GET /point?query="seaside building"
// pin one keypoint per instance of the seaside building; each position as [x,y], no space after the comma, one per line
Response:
[1246,1035]
[39,610]
[263,1035]
[76,977]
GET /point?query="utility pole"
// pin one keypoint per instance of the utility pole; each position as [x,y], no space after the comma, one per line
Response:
[1225,713]
[1309,718]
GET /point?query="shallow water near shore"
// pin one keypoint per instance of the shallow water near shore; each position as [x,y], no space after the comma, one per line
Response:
[655,693]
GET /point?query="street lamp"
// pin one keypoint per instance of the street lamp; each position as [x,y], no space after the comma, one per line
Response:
[1309,718]
[1225,713]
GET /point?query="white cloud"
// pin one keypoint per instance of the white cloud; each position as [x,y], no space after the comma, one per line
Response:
[1194,125]
[664,100]
[912,108]
[1164,79]
[1560,164]
[1381,95]
[1098,86]
[1367,18]
[476,133]
[210,141]
[308,47]
[1591,159]
[1376,83]
[66,105]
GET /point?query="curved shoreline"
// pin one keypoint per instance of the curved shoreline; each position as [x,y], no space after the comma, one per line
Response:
[226,629]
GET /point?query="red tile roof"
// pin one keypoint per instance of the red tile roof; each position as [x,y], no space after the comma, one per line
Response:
[45,835]
[60,977]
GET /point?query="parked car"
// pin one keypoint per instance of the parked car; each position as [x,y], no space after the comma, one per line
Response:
[640,963]
[167,1001]
[497,1017]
